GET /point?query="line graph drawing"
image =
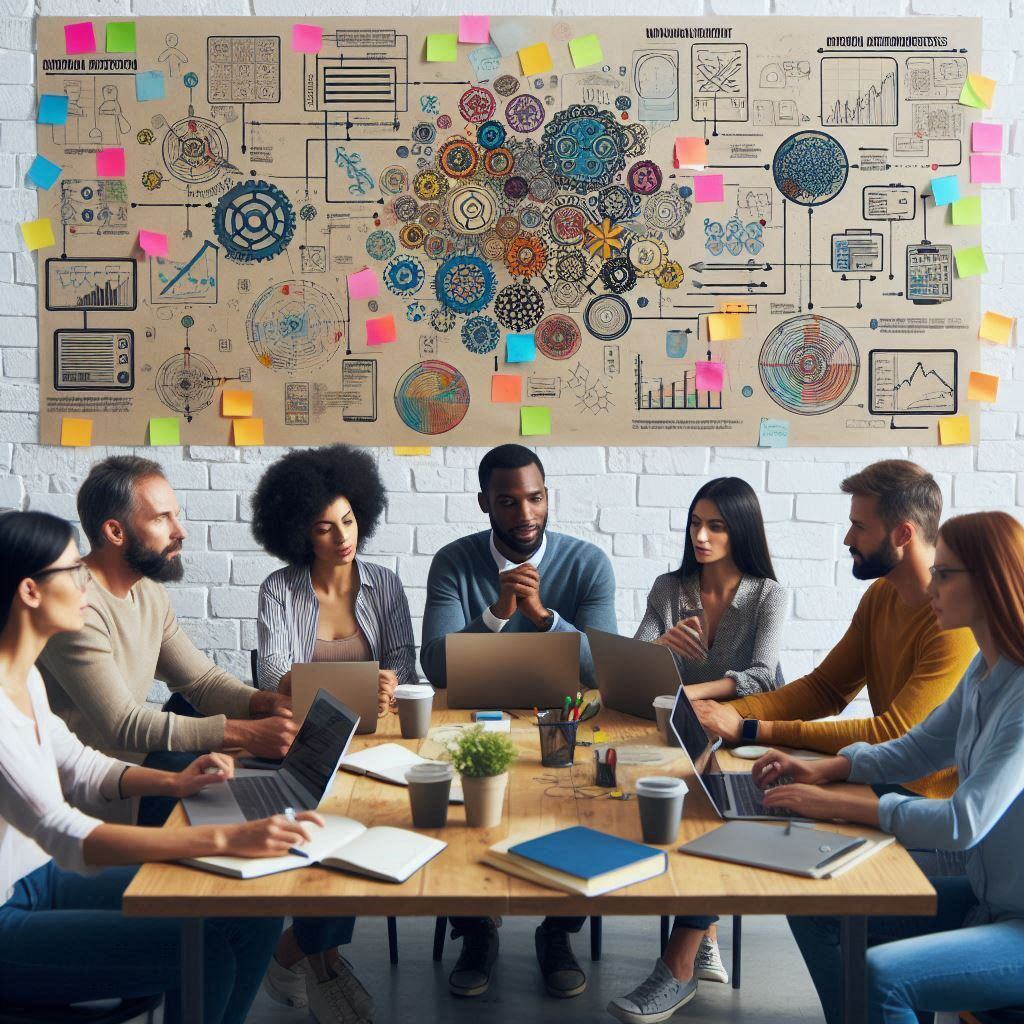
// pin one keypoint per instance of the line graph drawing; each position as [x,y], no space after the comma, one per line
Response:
[859,91]
[912,381]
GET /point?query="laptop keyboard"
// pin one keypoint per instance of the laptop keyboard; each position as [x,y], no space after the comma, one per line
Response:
[259,797]
[748,795]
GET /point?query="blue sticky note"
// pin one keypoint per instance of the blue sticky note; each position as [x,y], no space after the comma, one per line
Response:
[53,109]
[773,434]
[520,348]
[149,85]
[946,190]
[43,173]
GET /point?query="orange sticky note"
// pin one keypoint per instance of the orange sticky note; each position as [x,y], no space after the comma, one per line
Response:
[380,330]
[75,433]
[690,152]
[536,59]
[954,430]
[982,387]
[506,387]
[236,403]
[996,327]
[247,432]
[725,326]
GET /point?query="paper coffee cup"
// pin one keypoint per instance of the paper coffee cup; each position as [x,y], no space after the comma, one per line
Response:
[660,802]
[415,702]
[663,713]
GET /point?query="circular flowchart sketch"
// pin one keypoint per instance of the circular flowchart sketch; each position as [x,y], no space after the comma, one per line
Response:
[295,326]
[432,397]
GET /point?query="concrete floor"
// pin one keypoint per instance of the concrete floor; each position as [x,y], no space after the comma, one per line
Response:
[776,988]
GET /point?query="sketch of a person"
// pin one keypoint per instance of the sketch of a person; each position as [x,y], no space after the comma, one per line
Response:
[72,128]
[172,56]
[110,120]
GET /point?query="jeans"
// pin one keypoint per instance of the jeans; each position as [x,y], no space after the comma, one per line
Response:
[921,964]
[63,939]
[695,922]
[318,934]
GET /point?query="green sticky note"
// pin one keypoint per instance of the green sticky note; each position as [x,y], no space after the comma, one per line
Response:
[164,430]
[443,48]
[970,262]
[534,419]
[967,210]
[585,50]
[121,37]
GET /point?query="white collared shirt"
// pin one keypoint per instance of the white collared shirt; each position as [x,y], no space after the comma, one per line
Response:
[490,620]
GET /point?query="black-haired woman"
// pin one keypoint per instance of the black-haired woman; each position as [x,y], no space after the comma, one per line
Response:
[63,938]
[314,508]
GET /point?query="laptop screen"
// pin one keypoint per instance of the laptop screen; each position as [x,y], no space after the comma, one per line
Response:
[320,744]
[695,741]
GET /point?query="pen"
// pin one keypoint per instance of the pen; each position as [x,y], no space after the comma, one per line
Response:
[565,708]
[289,813]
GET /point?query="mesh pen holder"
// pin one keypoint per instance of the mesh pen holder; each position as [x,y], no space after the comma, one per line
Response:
[557,740]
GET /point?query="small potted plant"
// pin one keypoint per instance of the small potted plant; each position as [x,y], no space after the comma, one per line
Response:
[482,760]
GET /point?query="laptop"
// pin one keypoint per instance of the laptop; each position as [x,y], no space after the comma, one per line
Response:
[631,673]
[354,683]
[734,795]
[302,780]
[511,670]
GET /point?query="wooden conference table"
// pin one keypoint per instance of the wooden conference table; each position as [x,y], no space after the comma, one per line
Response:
[539,800]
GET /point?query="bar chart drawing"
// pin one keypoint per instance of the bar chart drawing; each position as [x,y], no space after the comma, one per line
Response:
[656,394]
[86,283]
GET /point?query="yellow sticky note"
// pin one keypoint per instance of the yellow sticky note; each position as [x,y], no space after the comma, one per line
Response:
[443,48]
[982,387]
[585,50]
[246,432]
[536,59]
[978,91]
[996,327]
[164,430]
[534,419]
[38,234]
[970,262]
[75,433]
[725,327]
[954,430]
[236,403]
[406,450]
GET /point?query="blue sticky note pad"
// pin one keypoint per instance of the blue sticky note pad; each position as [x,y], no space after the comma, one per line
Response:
[149,85]
[53,109]
[43,173]
[773,434]
[520,348]
[946,190]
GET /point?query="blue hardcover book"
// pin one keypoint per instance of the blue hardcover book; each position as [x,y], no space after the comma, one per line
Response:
[585,852]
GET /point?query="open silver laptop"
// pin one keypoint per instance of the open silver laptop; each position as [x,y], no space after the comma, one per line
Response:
[512,670]
[301,782]
[354,683]
[631,673]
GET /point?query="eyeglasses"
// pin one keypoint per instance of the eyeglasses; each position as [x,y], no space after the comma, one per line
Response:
[943,574]
[81,574]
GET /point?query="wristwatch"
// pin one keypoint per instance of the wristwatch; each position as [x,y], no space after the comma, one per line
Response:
[748,731]
[546,623]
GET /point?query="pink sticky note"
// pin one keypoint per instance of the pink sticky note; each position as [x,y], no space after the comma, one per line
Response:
[363,284]
[708,188]
[986,138]
[79,37]
[152,243]
[307,38]
[110,162]
[710,376]
[986,170]
[380,330]
[474,28]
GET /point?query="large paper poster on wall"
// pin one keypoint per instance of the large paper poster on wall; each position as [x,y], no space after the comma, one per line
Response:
[443,230]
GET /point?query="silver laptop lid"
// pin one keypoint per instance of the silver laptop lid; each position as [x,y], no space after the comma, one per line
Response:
[698,746]
[631,673]
[318,748]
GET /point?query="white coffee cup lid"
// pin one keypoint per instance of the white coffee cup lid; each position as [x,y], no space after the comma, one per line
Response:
[432,771]
[668,701]
[660,786]
[413,691]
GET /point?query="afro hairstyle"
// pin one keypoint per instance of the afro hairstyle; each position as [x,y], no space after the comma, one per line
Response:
[294,491]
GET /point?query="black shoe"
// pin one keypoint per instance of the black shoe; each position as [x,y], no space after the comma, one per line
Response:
[563,976]
[472,973]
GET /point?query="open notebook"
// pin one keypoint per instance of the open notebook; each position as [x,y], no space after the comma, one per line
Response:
[385,853]
[389,762]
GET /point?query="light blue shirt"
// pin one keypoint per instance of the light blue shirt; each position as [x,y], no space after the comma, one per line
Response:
[979,730]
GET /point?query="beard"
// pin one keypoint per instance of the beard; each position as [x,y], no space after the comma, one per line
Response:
[513,543]
[154,565]
[879,563]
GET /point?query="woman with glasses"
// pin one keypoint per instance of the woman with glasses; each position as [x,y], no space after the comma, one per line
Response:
[970,955]
[63,938]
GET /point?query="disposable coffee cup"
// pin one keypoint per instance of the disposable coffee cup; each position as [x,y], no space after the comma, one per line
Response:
[660,800]
[663,712]
[415,702]
[430,786]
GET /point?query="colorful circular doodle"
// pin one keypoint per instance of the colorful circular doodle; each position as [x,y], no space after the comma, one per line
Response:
[583,148]
[294,326]
[810,168]
[647,255]
[567,222]
[458,158]
[607,317]
[477,104]
[436,246]
[412,236]
[518,307]
[498,162]
[431,215]
[404,275]
[644,177]
[195,150]
[470,209]
[524,113]
[464,284]
[558,336]
[530,217]
[506,85]
[394,180]
[665,211]
[429,185]
[543,188]
[491,134]
[617,203]
[571,265]
[442,320]
[444,122]
[415,312]
[670,275]
[525,256]
[405,208]
[380,245]
[480,334]
[424,133]
[507,227]
[432,397]
[493,246]
[516,188]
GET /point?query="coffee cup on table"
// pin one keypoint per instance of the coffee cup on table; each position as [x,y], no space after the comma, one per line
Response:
[660,802]
[415,703]
[430,786]
[663,712]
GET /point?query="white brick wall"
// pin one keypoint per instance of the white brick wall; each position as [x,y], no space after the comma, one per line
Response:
[629,501]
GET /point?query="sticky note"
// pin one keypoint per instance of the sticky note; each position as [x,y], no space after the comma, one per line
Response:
[247,432]
[982,387]
[978,91]
[79,38]
[506,387]
[773,434]
[75,433]
[945,190]
[725,326]
[43,173]
[536,59]
[153,243]
[710,376]
[986,137]
[442,48]
[996,327]
[690,152]
[534,419]
[110,162]
[149,85]
[164,430]
[53,109]
[407,450]
[236,403]
[986,169]
[38,234]
[380,330]
[363,284]
[474,28]
[585,50]
[307,38]
[508,36]
[954,430]
[120,37]
[708,188]
[967,210]
[520,348]
[970,262]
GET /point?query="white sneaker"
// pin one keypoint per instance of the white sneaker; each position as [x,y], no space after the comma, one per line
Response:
[341,999]
[708,964]
[286,985]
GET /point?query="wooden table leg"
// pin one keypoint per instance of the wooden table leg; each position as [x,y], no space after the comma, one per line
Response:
[192,970]
[853,942]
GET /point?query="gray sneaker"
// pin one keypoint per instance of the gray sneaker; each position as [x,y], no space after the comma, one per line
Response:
[708,964]
[655,999]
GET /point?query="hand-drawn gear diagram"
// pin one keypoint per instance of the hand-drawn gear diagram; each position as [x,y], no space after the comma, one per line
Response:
[295,326]
[187,383]
[195,149]
[254,221]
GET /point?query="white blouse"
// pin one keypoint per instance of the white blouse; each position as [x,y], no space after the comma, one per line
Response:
[44,784]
